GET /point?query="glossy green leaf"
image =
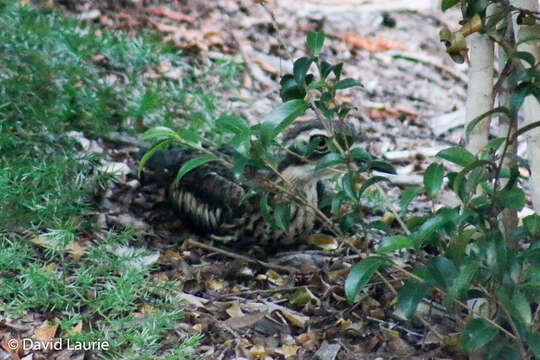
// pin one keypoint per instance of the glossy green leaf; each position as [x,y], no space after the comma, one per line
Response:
[495,143]
[282,215]
[359,154]
[433,179]
[447,4]
[410,296]
[460,177]
[328,160]
[382,167]
[457,155]
[361,273]
[463,280]
[513,198]
[477,333]
[525,56]
[147,155]
[393,243]
[158,133]
[472,124]
[193,163]
[371,181]
[347,83]
[300,69]
[515,303]
[319,84]
[428,229]
[533,340]
[520,93]
[280,118]
[407,196]
[315,41]
[443,271]
[532,223]
[232,123]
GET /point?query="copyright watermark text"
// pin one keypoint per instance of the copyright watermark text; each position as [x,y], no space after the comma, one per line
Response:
[57,344]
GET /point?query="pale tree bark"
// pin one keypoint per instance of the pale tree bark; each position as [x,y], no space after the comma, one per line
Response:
[508,217]
[531,107]
[480,88]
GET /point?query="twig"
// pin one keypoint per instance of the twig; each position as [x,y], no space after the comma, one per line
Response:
[266,291]
[240,257]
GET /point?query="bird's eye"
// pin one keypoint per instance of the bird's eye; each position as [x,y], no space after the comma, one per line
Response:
[319,143]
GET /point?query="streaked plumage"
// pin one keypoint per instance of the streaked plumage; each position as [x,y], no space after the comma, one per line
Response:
[213,201]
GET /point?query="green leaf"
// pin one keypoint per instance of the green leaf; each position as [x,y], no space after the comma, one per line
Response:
[328,160]
[361,273]
[407,196]
[188,135]
[372,180]
[347,83]
[532,223]
[300,69]
[381,166]
[457,155]
[523,55]
[447,4]
[348,185]
[155,148]
[319,84]
[461,176]
[282,215]
[327,68]
[359,154]
[520,93]
[280,118]
[433,179]
[515,303]
[428,229]
[477,333]
[234,124]
[495,143]
[513,198]
[533,340]
[410,296]
[443,271]
[315,41]
[462,281]
[471,125]
[193,163]
[159,132]
[393,243]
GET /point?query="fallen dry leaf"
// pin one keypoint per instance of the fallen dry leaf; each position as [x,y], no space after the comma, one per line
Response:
[77,328]
[244,321]
[171,14]
[13,346]
[323,241]
[372,44]
[45,333]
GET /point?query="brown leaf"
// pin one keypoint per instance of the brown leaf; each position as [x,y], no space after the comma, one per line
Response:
[171,14]
[45,333]
[77,328]
[13,346]
[325,242]
[245,320]
[372,44]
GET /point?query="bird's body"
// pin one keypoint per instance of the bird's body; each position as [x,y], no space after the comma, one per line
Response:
[212,200]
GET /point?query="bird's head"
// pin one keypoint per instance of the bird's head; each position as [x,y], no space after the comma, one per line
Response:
[307,142]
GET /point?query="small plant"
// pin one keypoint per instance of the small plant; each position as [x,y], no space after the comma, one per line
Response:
[258,148]
[485,271]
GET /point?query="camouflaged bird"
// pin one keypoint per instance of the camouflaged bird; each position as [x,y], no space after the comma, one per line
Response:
[212,200]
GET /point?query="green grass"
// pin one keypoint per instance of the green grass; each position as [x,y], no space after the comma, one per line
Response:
[50,85]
